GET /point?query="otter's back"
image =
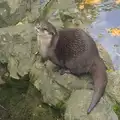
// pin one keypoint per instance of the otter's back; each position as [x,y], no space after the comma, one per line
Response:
[75,42]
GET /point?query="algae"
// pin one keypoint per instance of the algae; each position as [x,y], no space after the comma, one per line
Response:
[116,108]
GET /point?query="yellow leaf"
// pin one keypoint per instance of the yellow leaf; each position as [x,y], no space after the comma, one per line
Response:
[92,2]
[117,1]
[81,6]
[114,31]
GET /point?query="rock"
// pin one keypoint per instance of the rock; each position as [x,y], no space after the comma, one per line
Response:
[105,56]
[18,46]
[57,92]
[62,5]
[4,115]
[23,101]
[43,80]
[4,73]
[12,11]
[114,86]
[79,102]
[34,13]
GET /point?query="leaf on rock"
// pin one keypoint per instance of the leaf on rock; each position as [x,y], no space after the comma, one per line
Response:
[92,2]
[89,2]
[117,1]
[81,6]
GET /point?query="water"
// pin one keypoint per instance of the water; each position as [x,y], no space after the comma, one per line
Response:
[106,20]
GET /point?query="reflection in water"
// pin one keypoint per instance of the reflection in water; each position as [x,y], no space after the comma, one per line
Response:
[106,20]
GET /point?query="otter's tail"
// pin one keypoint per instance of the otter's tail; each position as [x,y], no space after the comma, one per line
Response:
[100,81]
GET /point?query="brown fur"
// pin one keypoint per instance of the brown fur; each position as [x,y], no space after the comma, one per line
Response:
[75,51]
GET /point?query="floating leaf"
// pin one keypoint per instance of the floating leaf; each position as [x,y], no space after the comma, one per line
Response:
[114,31]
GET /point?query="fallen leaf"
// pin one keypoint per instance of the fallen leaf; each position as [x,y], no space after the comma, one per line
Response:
[81,6]
[92,2]
[89,2]
[117,1]
[114,31]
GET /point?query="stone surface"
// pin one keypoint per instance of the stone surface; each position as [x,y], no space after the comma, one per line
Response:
[22,101]
[44,81]
[105,56]
[79,102]
[18,49]
[12,11]
[18,45]
[114,86]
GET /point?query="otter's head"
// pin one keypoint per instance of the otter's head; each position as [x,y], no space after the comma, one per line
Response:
[45,33]
[45,28]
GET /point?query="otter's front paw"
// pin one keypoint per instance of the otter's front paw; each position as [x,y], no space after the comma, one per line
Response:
[63,71]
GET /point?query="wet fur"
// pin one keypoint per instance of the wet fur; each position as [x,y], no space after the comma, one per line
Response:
[74,51]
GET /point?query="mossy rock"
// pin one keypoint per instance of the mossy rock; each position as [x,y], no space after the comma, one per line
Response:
[116,108]
[106,57]
[23,101]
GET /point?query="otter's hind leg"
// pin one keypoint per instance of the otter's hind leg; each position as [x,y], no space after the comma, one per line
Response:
[61,70]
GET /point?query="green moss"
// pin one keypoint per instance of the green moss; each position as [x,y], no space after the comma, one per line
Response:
[116,108]
[60,106]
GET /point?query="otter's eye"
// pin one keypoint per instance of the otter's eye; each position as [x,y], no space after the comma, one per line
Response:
[51,33]
[44,29]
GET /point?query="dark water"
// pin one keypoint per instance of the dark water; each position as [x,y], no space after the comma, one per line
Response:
[106,20]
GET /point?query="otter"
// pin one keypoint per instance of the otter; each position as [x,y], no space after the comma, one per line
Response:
[75,52]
